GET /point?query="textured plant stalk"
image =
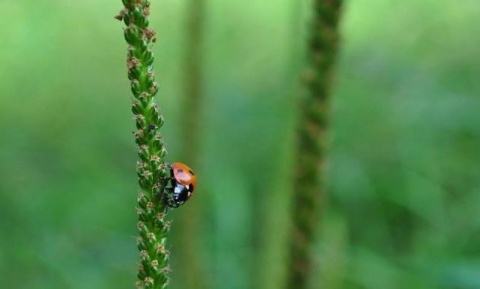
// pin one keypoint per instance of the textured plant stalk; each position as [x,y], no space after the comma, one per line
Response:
[152,171]
[312,142]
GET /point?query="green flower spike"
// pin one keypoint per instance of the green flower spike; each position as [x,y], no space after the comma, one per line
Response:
[152,171]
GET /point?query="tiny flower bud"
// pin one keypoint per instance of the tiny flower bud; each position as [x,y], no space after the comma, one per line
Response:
[163,152]
[139,133]
[151,236]
[160,249]
[143,254]
[154,158]
[150,32]
[146,173]
[155,263]
[148,281]
[140,225]
[141,165]
[120,15]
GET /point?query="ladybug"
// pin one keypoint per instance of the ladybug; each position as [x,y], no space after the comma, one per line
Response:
[180,185]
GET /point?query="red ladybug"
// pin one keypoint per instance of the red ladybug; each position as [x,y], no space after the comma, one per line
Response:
[181,185]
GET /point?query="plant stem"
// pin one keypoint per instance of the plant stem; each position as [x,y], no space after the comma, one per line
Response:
[193,77]
[151,168]
[312,142]
[190,225]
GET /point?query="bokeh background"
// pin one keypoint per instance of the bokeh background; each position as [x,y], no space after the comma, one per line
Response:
[403,206]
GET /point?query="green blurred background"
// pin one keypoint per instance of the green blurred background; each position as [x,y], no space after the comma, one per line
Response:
[403,206]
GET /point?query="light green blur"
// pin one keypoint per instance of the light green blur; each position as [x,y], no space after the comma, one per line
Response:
[403,205]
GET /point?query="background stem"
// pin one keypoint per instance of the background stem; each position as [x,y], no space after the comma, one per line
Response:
[190,224]
[312,141]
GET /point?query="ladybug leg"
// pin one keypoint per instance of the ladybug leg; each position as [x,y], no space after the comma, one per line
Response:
[169,181]
[169,167]
[167,197]
[171,204]
[170,185]
[165,189]
[169,192]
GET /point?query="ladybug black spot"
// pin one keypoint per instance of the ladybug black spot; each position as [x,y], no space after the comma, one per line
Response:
[192,173]
[180,171]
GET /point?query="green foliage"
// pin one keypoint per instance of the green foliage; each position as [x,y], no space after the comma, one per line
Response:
[403,175]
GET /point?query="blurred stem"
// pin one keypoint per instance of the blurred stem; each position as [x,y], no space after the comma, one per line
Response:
[190,224]
[312,141]
[151,169]
[193,79]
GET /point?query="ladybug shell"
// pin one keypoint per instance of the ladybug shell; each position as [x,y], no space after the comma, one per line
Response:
[184,175]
